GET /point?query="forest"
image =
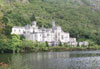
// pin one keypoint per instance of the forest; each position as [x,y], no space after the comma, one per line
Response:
[80,18]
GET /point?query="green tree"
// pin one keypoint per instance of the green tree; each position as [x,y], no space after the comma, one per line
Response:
[60,44]
[15,43]
[3,43]
[47,45]
[27,44]
[43,46]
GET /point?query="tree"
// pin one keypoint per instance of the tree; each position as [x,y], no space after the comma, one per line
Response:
[7,30]
[47,45]
[3,43]
[43,46]
[15,43]
[33,18]
[60,43]
[66,45]
[27,44]
[2,26]
[91,43]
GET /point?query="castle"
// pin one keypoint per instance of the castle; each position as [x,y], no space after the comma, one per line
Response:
[52,35]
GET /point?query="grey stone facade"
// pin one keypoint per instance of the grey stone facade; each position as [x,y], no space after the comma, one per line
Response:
[52,35]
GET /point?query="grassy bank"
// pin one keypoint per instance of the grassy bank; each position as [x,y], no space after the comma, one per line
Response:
[62,48]
[73,48]
[54,49]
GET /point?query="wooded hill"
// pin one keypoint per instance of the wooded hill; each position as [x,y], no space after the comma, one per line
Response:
[81,18]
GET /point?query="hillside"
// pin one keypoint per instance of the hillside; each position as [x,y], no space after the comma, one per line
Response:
[79,17]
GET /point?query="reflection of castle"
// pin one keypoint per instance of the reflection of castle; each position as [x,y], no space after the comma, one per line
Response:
[53,35]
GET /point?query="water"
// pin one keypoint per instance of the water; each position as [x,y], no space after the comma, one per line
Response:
[54,60]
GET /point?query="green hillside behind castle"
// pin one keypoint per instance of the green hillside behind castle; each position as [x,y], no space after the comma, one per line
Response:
[81,18]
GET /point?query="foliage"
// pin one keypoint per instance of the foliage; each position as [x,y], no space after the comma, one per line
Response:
[41,47]
[74,14]
[15,43]
[80,18]
[27,43]
[47,44]
[60,43]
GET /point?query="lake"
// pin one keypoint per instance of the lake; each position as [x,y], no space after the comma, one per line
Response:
[54,60]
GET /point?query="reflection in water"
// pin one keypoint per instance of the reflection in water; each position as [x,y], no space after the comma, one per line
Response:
[17,62]
[56,60]
[45,60]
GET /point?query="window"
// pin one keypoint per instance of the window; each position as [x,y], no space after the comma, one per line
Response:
[58,34]
[40,35]
[14,30]
[19,30]
[35,36]
[47,34]
[23,31]
[62,37]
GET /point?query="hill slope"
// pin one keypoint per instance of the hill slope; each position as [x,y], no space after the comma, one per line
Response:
[79,17]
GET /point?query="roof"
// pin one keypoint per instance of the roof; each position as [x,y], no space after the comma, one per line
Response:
[18,27]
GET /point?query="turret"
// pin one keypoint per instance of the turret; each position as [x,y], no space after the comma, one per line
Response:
[43,28]
[34,24]
[53,23]
[53,26]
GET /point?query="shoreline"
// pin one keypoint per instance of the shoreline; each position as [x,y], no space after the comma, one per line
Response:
[57,49]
